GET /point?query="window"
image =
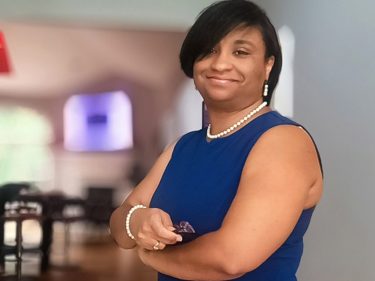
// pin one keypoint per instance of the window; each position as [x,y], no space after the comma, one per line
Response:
[25,136]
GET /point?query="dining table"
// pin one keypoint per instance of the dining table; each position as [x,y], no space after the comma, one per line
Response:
[52,206]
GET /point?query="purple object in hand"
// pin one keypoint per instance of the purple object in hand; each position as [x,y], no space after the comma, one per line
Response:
[185,230]
[184,226]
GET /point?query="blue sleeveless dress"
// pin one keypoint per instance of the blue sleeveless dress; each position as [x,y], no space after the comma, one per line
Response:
[201,180]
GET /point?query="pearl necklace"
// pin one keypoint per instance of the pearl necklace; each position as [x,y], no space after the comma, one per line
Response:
[230,129]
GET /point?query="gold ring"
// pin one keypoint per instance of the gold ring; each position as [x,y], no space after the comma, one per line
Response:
[156,246]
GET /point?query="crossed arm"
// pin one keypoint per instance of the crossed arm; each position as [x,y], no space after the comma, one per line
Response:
[276,185]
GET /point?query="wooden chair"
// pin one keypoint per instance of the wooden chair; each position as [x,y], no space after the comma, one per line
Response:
[59,212]
[8,195]
[19,214]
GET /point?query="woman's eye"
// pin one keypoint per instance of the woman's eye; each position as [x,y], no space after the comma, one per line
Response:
[241,53]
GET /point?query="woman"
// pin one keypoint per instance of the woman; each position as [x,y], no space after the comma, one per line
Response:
[247,184]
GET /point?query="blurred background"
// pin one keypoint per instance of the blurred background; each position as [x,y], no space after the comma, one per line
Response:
[91,92]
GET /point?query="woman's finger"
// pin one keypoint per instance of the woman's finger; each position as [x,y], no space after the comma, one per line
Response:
[157,227]
[152,245]
[164,234]
[158,246]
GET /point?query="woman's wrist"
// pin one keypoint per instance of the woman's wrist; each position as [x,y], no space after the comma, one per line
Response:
[128,219]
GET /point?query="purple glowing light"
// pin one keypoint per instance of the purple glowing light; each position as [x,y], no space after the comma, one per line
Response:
[101,122]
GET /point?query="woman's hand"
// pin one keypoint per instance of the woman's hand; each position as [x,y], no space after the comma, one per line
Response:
[153,229]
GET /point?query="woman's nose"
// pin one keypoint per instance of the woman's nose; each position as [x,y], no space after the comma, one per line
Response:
[221,62]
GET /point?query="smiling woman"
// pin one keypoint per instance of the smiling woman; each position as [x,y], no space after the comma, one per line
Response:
[247,185]
[234,70]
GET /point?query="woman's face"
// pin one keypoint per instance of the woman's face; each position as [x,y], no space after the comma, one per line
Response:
[233,73]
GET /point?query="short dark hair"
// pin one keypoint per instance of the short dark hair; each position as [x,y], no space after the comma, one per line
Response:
[219,19]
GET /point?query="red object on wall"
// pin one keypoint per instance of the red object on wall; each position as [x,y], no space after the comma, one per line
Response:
[4,61]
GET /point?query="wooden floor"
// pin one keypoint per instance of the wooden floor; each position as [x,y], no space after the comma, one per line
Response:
[94,261]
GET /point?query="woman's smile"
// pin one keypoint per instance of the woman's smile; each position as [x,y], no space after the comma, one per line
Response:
[222,81]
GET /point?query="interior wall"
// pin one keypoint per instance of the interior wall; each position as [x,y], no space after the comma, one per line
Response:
[185,114]
[142,64]
[334,99]
[74,171]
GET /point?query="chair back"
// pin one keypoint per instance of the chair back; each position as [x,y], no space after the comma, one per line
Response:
[99,204]
[9,193]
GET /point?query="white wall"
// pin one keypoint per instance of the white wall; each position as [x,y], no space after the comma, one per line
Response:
[334,98]
[185,115]
[77,171]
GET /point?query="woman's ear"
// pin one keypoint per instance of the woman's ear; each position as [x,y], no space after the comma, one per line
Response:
[269,64]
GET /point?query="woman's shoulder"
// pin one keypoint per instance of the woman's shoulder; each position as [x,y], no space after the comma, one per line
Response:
[288,138]
[292,134]
[279,128]
[287,131]
[269,123]
[280,119]
[277,125]
[192,135]
[189,139]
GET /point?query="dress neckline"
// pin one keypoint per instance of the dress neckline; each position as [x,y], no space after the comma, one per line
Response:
[210,141]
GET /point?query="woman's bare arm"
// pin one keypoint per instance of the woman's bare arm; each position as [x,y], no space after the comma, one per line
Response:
[142,194]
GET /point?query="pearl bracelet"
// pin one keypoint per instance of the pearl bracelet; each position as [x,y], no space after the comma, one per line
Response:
[128,216]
